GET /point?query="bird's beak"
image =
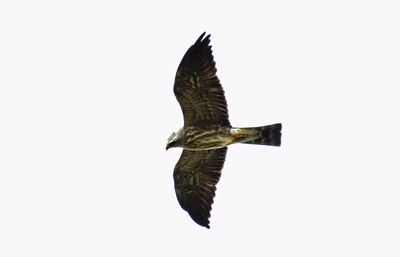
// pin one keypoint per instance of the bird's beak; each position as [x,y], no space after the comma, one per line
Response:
[167,147]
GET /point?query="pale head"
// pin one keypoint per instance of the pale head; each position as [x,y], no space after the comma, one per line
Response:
[174,140]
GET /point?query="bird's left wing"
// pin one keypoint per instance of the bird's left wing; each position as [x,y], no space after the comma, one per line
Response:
[197,88]
[196,175]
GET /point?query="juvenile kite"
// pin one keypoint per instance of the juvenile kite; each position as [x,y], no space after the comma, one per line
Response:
[206,132]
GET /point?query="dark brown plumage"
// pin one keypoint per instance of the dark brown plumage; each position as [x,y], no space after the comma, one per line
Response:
[196,175]
[197,87]
[202,99]
[206,132]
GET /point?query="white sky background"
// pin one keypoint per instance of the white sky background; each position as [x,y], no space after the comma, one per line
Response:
[86,106]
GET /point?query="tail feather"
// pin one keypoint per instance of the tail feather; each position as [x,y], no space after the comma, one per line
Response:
[266,135]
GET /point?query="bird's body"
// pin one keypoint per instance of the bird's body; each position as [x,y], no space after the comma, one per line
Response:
[206,132]
[198,139]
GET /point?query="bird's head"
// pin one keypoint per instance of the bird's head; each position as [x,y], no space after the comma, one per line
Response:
[173,141]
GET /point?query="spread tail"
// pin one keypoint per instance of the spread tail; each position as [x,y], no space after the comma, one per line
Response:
[266,135]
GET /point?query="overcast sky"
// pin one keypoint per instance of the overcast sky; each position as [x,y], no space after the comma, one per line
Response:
[86,106]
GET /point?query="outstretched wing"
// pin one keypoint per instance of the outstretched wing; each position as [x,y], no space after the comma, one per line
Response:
[197,87]
[196,175]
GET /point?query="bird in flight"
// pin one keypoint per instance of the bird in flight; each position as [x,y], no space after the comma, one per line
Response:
[206,132]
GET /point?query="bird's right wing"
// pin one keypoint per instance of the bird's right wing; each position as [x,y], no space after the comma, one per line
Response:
[196,175]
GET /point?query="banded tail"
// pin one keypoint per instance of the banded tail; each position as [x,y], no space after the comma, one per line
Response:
[265,135]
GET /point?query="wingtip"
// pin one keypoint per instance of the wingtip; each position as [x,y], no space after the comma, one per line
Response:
[202,38]
[205,225]
[201,221]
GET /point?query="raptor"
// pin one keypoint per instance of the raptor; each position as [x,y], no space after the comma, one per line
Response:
[206,132]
